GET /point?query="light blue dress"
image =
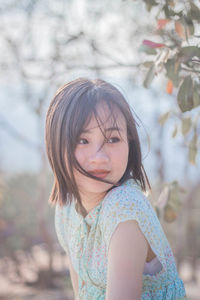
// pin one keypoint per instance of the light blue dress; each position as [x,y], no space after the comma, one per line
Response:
[86,241]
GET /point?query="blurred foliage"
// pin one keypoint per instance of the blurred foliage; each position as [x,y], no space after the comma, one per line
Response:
[178,53]
[177,56]
[189,129]
[25,224]
[170,201]
[19,216]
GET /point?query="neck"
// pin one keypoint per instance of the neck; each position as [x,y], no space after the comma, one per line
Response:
[90,201]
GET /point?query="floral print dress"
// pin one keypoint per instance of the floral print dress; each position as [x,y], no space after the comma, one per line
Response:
[86,241]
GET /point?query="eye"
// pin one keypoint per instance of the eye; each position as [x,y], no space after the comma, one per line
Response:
[113,140]
[82,141]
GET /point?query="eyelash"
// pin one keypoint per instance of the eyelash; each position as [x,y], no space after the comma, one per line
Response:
[113,138]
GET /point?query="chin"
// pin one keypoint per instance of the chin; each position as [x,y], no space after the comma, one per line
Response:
[95,186]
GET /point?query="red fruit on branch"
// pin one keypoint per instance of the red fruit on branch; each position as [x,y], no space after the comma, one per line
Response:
[161,23]
[169,87]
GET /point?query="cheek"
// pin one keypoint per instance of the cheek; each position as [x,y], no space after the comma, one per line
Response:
[79,156]
[124,157]
[120,156]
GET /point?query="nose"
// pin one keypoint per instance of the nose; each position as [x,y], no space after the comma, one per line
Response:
[98,155]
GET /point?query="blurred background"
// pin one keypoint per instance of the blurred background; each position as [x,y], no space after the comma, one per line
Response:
[149,50]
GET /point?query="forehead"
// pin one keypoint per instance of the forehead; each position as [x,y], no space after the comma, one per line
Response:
[106,117]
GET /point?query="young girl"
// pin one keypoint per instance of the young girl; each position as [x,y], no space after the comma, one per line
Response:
[116,247]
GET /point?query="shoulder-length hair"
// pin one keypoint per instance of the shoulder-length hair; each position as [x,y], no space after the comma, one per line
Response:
[69,112]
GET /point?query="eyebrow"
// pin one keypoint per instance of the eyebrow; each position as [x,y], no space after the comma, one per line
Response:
[106,129]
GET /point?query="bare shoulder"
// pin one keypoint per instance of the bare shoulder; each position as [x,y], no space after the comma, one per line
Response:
[126,258]
[128,237]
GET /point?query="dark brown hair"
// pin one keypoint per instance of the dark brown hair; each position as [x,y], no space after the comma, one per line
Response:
[69,112]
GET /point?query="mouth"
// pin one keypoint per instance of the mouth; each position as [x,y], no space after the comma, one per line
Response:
[99,173]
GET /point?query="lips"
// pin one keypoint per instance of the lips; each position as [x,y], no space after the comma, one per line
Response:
[99,173]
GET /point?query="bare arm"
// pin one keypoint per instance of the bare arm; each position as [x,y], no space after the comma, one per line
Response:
[126,258]
[74,279]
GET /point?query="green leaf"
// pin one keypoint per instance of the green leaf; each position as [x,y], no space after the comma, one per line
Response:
[174,199]
[149,77]
[147,50]
[168,11]
[164,118]
[191,51]
[172,67]
[150,4]
[196,95]
[191,28]
[192,154]
[189,23]
[174,133]
[171,13]
[185,94]
[194,11]
[186,126]
[174,203]
[148,64]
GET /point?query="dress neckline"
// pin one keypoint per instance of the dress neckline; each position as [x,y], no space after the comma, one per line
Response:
[93,213]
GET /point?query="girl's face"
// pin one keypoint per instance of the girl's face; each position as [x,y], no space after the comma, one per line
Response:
[104,159]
